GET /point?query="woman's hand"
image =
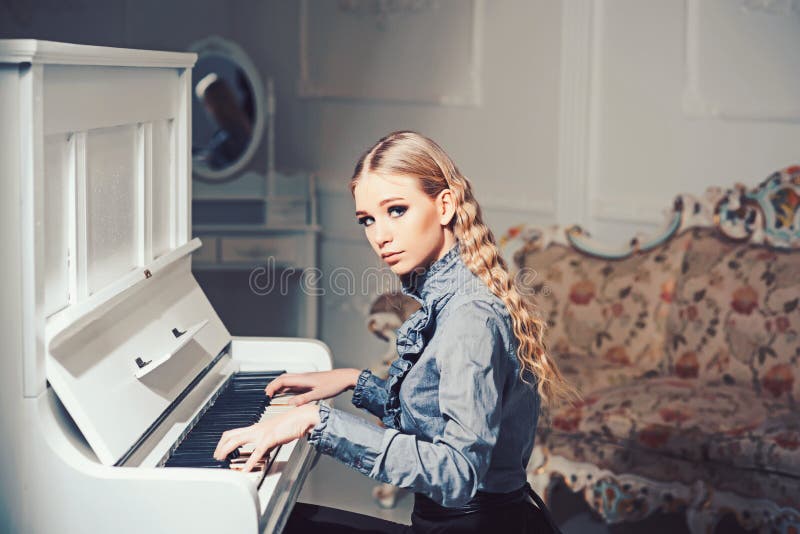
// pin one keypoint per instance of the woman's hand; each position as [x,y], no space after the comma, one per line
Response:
[313,386]
[268,434]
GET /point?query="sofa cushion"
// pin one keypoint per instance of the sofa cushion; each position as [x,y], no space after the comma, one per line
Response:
[689,420]
[612,310]
[735,316]
[654,465]
[773,446]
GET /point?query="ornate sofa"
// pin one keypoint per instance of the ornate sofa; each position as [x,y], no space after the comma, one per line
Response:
[685,348]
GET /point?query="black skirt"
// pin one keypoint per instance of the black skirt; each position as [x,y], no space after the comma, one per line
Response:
[520,511]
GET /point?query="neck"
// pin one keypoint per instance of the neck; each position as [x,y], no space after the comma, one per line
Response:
[448,243]
[421,282]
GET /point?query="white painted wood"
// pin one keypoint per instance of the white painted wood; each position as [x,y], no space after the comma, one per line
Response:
[83,98]
[57,177]
[64,438]
[93,306]
[187,336]
[72,220]
[80,219]
[163,170]
[93,368]
[49,52]
[574,114]
[183,162]
[144,184]
[31,176]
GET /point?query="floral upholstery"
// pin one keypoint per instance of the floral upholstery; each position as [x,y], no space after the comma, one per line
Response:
[654,465]
[688,420]
[686,353]
[611,313]
[735,317]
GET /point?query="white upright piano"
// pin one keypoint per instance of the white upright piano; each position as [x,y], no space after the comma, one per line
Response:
[116,373]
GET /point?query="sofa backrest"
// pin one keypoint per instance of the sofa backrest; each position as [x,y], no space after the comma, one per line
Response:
[713,296]
[735,316]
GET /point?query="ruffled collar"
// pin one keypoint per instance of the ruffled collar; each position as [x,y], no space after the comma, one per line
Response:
[433,287]
[439,278]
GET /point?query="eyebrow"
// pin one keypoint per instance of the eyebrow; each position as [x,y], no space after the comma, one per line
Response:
[384,201]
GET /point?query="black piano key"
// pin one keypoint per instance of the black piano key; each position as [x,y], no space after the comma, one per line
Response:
[196,462]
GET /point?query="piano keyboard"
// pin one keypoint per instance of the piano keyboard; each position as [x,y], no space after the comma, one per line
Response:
[242,402]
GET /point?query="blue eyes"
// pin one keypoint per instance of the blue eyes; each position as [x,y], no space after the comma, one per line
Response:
[397,210]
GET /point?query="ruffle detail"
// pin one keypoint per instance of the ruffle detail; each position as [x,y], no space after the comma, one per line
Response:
[412,337]
[358,391]
[315,437]
[430,288]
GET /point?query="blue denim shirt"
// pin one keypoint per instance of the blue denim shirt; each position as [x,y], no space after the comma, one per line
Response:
[457,417]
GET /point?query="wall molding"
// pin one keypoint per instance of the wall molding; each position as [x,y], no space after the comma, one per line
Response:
[575,89]
[629,209]
[702,95]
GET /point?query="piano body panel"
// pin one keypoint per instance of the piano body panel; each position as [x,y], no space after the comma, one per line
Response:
[98,273]
[93,370]
[92,97]
[161,492]
[280,490]
[79,494]
[294,355]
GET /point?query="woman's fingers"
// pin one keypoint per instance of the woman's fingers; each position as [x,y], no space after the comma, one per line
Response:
[255,456]
[274,386]
[287,383]
[299,400]
[230,441]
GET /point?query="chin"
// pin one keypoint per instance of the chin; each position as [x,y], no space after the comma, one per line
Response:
[400,268]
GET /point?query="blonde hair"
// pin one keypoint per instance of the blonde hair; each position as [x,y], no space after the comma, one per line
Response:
[411,154]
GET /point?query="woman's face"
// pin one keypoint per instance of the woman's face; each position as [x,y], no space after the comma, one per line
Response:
[406,228]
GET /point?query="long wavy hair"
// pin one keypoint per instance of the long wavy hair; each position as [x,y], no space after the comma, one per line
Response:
[411,154]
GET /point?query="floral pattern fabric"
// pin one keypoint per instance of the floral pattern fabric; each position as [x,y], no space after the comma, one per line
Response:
[687,358]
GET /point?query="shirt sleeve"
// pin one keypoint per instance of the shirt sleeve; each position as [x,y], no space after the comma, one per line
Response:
[370,393]
[449,468]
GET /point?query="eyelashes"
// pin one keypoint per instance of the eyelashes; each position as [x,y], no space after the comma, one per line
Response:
[397,209]
[394,211]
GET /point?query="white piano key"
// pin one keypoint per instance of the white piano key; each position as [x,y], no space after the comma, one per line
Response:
[257,475]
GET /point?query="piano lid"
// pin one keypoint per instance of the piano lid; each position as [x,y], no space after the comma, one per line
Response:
[117,369]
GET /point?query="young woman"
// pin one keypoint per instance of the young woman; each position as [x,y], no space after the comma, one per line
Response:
[462,401]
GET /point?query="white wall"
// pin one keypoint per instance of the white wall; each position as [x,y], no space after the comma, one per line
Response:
[645,143]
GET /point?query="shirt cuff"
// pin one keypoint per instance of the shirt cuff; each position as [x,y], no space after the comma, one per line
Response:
[347,438]
[370,392]
[315,436]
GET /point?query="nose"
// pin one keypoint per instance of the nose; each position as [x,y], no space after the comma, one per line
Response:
[381,234]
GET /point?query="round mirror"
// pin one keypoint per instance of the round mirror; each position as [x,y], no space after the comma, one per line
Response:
[227,110]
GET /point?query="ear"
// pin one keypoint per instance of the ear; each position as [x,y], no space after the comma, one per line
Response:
[445,206]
